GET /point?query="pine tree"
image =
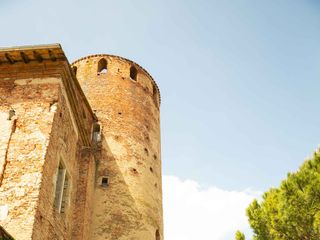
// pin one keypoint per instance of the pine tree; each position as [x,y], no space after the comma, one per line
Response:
[292,211]
[240,236]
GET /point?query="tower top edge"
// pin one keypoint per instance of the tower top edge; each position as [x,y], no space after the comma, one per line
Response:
[123,59]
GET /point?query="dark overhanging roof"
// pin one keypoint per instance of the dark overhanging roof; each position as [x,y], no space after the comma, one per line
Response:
[37,53]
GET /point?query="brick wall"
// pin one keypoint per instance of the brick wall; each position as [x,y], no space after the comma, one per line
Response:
[130,207]
[51,124]
[25,152]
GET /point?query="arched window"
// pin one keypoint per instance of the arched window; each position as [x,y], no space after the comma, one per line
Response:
[155,95]
[154,90]
[133,73]
[74,68]
[102,66]
[157,235]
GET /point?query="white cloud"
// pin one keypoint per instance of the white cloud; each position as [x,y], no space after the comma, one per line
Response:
[192,213]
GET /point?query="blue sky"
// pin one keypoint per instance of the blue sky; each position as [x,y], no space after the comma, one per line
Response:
[239,79]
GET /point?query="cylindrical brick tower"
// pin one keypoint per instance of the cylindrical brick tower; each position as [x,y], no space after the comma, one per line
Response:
[128,192]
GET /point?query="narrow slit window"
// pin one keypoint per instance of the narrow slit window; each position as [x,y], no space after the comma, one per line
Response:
[64,194]
[96,132]
[154,90]
[133,73]
[102,66]
[62,185]
[157,235]
[155,95]
[104,182]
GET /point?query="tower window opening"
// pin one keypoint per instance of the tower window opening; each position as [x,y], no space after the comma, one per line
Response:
[157,235]
[104,182]
[102,66]
[62,187]
[154,90]
[96,132]
[155,95]
[133,73]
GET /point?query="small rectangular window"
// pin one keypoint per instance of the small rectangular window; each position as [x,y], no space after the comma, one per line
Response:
[104,182]
[61,193]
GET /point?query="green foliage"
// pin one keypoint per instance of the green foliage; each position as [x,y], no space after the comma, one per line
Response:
[240,236]
[292,211]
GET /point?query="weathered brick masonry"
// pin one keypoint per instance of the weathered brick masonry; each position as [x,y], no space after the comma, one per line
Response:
[127,107]
[70,172]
